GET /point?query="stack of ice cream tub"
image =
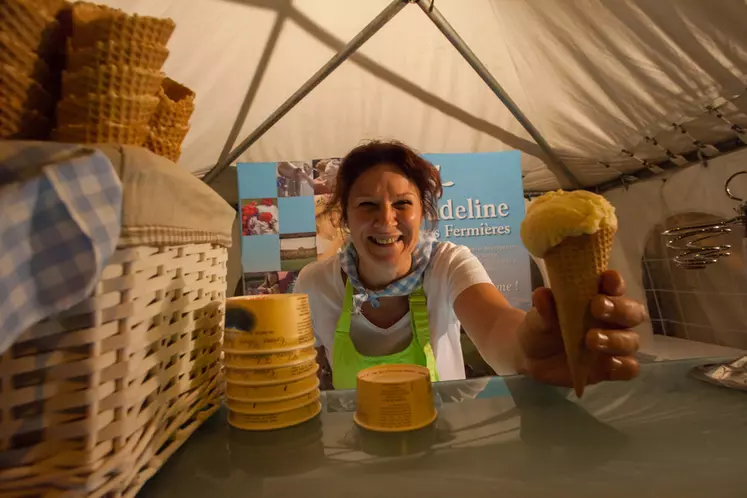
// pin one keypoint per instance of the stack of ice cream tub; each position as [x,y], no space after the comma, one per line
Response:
[270,362]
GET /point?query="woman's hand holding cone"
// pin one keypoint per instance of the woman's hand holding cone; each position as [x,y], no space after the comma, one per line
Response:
[614,345]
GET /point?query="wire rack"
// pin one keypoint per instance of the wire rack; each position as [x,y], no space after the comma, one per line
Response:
[694,244]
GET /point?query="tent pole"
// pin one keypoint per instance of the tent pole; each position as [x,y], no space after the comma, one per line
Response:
[556,165]
[251,92]
[379,21]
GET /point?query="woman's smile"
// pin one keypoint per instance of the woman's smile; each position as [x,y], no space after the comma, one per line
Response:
[385,240]
[386,248]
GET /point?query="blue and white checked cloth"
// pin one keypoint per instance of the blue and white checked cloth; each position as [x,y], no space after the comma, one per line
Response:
[60,223]
[405,286]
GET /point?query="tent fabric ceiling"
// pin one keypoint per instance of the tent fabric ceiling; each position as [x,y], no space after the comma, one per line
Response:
[596,77]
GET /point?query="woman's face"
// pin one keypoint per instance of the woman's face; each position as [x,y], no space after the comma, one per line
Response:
[384,214]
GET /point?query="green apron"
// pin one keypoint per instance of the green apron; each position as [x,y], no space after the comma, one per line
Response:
[347,361]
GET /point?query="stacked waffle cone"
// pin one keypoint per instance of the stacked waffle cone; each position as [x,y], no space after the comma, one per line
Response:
[112,77]
[270,362]
[29,35]
[573,233]
[170,122]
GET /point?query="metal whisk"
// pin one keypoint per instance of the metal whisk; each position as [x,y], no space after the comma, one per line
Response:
[690,241]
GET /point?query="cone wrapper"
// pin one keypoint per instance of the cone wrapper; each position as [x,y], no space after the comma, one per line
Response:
[574,267]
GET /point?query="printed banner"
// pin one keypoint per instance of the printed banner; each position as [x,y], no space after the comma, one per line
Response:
[285,226]
[482,208]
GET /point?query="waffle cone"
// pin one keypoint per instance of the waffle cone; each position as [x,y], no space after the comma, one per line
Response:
[104,80]
[22,124]
[23,59]
[94,108]
[165,148]
[13,109]
[93,23]
[111,53]
[174,134]
[102,133]
[49,7]
[575,267]
[175,107]
[21,90]
[29,25]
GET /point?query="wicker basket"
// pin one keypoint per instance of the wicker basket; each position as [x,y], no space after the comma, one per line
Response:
[93,23]
[93,403]
[119,80]
[102,133]
[94,108]
[112,53]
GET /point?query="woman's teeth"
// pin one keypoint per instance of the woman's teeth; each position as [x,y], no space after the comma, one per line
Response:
[385,240]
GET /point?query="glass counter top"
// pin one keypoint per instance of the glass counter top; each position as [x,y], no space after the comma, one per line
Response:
[664,434]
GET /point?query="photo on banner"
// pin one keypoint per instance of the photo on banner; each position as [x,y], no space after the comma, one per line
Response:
[273,282]
[330,236]
[294,179]
[482,208]
[284,224]
[297,250]
[259,216]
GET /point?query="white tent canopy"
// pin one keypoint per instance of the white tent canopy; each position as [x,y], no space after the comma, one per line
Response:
[596,77]
[616,87]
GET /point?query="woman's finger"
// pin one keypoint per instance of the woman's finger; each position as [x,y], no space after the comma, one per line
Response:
[612,284]
[554,370]
[614,368]
[613,342]
[617,311]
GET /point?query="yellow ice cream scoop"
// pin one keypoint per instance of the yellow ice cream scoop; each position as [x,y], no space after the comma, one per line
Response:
[573,233]
[557,215]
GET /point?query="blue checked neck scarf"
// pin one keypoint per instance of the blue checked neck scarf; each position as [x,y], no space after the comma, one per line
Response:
[405,286]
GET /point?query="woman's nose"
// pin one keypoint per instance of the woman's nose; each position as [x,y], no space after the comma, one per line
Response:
[386,215]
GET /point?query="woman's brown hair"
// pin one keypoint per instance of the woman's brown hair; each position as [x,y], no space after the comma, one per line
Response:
[420,172]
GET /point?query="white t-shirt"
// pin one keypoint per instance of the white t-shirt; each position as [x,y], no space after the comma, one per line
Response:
[452,270]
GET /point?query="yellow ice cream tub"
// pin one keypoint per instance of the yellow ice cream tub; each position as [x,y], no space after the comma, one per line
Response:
[274,375]
[267,360]
[394,398]
[265,407]
[270,421]
[271,392]
[268,323]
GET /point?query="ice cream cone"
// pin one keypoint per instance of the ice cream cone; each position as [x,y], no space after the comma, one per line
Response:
[573,233]
[574,267]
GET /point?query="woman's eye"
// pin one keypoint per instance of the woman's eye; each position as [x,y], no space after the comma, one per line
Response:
[402,204]
[366,204]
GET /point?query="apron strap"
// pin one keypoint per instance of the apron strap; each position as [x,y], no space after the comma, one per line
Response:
[347,308]
[421,329]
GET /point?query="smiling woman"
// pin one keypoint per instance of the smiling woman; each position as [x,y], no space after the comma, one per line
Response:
[393,294]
